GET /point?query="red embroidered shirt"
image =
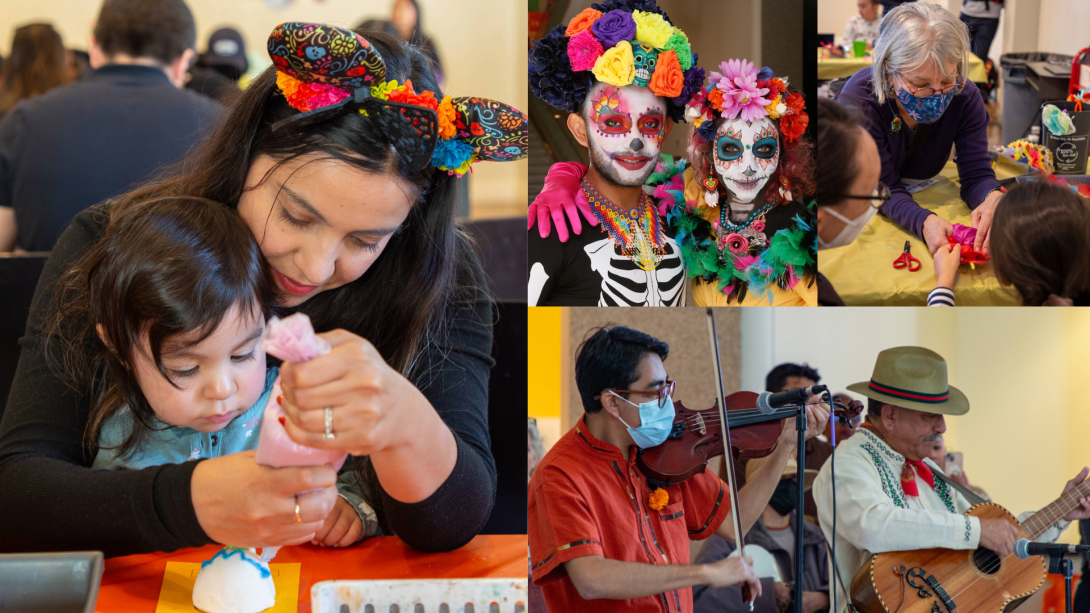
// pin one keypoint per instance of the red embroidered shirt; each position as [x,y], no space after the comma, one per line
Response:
[585,500]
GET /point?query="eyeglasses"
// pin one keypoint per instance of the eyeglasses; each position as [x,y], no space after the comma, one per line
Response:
[877,198]
[663,392]
[927,92]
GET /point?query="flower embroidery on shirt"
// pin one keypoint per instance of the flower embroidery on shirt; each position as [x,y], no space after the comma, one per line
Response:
[195,453]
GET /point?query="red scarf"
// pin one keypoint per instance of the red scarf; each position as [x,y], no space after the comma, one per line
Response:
[908,476]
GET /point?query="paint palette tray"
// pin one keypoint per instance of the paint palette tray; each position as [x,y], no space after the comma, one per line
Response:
[57,582]
[420,596]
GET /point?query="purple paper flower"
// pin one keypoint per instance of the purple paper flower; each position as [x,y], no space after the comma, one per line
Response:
[613,27]
[550,74]
[649,6]
[694,77]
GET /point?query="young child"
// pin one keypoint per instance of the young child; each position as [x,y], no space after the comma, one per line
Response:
[178,293]
[1040,244]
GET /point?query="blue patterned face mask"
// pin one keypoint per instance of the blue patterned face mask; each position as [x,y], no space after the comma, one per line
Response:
[925,110]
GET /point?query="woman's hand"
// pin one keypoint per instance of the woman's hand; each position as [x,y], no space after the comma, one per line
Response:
[936,232]
[342,527]
[947,259]
[376,412]
[982,221]
[240,502]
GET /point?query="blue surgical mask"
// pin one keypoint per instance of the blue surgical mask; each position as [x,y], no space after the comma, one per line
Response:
[925,110]
[655,422]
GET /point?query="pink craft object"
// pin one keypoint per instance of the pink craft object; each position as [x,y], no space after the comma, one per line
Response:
[962,239]
[291,339]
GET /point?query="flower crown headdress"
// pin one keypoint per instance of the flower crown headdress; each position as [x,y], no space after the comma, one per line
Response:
[325,71]
[620,42]
[743,91]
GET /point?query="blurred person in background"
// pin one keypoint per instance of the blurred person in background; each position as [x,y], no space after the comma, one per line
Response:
[982,17]
[37,64]
[406,24]
[217,71]
[94,139]
[863,26]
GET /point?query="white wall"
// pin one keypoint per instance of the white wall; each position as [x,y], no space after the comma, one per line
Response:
[482,45]
[1064,26]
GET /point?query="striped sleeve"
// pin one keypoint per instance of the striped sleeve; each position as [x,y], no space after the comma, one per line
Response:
[941,296]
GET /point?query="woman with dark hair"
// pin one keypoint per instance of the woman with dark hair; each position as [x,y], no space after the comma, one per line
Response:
[406,20]
[347,180]
[37,64]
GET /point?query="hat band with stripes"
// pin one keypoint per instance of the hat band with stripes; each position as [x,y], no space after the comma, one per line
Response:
[909,394]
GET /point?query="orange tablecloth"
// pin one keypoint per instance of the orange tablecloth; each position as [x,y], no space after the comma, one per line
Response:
[131,583]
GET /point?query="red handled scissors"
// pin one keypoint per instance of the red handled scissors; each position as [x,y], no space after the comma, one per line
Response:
[906,260]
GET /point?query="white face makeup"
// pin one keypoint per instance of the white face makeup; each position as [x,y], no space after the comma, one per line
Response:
[746,155]
[625,128]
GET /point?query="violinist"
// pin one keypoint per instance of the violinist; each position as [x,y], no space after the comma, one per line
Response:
[597,530]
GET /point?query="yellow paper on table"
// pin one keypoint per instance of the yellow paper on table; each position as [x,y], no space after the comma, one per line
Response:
[176,595]
[863,274]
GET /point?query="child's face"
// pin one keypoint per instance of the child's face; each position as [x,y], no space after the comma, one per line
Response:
[220,377]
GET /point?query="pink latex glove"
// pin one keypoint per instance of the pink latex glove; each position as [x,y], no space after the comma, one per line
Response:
[561,195]
[291,339]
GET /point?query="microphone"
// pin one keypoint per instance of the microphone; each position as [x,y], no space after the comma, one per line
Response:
[1025,548]
[767,402]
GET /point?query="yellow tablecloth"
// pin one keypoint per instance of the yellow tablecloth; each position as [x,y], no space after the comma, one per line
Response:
[834,68]
[863,274]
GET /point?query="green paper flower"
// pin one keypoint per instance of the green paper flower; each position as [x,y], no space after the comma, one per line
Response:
[679,44]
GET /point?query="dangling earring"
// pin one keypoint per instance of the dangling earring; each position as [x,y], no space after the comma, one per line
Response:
[712,185]
[785,189]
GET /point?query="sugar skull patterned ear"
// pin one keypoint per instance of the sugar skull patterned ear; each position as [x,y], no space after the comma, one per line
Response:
[498,132]
[319,53]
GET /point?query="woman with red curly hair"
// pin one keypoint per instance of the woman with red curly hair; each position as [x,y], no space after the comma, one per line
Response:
[736,205]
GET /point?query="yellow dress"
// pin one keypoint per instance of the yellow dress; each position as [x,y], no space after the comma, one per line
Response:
[706,294]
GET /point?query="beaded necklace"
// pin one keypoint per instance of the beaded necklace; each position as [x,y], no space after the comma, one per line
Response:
[754,236]
[638,231]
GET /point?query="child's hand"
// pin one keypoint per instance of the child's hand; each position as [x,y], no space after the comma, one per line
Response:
[947,258]
[342,526]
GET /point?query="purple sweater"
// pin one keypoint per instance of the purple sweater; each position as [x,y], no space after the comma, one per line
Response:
[964,125]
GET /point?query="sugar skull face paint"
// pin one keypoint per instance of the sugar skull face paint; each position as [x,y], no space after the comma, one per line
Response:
[746,155]
[625,128]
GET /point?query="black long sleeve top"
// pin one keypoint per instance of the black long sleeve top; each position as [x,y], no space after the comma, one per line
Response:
[50,500]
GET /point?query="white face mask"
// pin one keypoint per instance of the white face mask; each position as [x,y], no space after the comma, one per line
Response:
[746,155]
[852,228]
[625,128]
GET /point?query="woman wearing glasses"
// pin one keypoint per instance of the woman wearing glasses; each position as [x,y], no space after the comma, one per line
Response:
[849,193]
[917,104]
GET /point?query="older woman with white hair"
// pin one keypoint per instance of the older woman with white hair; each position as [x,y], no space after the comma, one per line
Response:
[917,103]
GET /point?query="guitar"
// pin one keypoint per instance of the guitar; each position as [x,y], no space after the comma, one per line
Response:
[952,581]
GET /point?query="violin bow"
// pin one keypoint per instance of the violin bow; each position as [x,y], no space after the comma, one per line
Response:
[731,482]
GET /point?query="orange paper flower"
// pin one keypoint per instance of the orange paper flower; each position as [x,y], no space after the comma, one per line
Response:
[447,117]
[582,21]
[715,98]
[659,497]
[405,94]
[669,78]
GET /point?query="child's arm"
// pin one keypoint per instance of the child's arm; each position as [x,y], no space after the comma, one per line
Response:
[947,258]
[351,513]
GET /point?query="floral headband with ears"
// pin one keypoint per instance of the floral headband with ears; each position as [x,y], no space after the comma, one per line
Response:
[325,71]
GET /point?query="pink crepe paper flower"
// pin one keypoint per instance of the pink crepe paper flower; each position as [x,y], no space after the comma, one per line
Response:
[744,99]
[732,69]
[583,50]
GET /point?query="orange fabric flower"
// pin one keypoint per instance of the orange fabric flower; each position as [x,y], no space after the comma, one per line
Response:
[792,126]
[669,78]
[715,98]
[582,21]
[658,499]
[405,94]
[447,117]
[795,102]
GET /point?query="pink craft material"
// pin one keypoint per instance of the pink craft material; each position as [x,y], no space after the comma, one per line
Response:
[962,239]
[291,339]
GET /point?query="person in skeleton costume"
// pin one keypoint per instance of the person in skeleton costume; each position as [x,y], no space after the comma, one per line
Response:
[734,207]
[624,73]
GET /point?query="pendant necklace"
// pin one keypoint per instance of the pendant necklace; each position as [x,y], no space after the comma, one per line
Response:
[755,236]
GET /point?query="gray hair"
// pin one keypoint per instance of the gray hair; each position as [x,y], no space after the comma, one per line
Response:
[914,35]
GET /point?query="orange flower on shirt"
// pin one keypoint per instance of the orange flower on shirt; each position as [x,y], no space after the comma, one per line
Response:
[658,499]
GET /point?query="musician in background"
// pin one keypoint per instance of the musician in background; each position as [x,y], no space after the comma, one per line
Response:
[889,495]
[597,531]
[775,533]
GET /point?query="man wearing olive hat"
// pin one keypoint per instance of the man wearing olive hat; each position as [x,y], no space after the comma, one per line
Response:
[888,496]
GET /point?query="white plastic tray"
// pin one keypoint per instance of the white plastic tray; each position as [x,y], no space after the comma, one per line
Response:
[420,596]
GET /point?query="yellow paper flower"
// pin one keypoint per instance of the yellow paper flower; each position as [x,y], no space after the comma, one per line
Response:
[658,499]
[776,108]
[382,90]
[447,117]
[652,29]
[616,66]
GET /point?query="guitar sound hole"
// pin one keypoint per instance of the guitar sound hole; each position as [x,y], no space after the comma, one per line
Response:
[986,561]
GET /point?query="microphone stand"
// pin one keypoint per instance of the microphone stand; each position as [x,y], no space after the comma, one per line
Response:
[1061,565]
[800,500]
